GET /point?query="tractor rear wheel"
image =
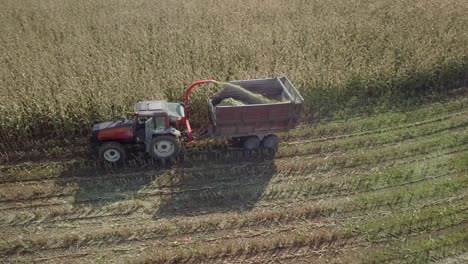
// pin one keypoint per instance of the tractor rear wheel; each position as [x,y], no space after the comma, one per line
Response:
[112,152]
[270,142]
[164,147]
[251,143]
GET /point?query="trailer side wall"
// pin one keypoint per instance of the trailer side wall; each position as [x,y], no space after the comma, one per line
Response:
[256,119]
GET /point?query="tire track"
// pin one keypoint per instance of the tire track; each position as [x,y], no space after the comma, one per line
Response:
[320,139]
[218,181]
[280,157]
[210,181]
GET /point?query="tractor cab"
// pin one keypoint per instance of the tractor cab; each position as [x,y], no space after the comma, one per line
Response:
[173,113]
[154,125]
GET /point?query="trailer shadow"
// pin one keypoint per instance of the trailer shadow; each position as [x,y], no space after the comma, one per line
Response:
[218,184]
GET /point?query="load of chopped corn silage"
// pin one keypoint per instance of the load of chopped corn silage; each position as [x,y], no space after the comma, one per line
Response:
[252,98]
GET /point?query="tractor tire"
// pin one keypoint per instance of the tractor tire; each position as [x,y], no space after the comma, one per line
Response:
[251,143]
[112,152]
[270,142]
[164,147]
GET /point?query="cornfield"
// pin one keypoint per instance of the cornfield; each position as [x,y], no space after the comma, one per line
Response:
[67,64]
[376,173]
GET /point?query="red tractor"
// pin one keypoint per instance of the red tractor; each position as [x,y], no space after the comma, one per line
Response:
[158,126]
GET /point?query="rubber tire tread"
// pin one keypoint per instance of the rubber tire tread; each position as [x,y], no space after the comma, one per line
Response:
[251,143]
[112,145]
[172,139]
[270,142]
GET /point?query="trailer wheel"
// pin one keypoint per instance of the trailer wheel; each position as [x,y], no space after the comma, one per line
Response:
[251,143]
[164,147]
[112,152]
[270,142]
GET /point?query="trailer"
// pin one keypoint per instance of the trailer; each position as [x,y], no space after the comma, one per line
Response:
[255,124]
[157,127]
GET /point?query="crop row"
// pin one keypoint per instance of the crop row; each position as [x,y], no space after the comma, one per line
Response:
[314,240]
[224,244]
[359,182]
[235,174]
[178,228]
[324,149]
[158,232]
[384,122]
[311,136]
[207,200]
[304,135]
[53,149]
[287,171]
[338,128]
[295,189]
[69,152]
[50,170]
[401,225]
[441,245]
[230,245]
[249,173]
[448,139]
[313,182]
[198,183]
[383,198]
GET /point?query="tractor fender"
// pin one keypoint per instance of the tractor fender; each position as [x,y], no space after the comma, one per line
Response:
[174,132]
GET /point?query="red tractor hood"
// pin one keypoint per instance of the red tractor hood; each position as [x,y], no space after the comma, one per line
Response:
[112,124]
[117,130]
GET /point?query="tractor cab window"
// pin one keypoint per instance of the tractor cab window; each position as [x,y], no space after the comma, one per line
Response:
[160,122]
[155,123]
[140,122]
[141,119]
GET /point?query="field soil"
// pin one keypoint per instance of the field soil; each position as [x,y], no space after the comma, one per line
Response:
[378,189]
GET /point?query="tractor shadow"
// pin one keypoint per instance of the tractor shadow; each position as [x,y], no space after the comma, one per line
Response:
[100,184]
[217,183]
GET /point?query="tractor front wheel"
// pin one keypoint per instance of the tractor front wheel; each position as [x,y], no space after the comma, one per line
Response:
[164,147]
[112,152]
